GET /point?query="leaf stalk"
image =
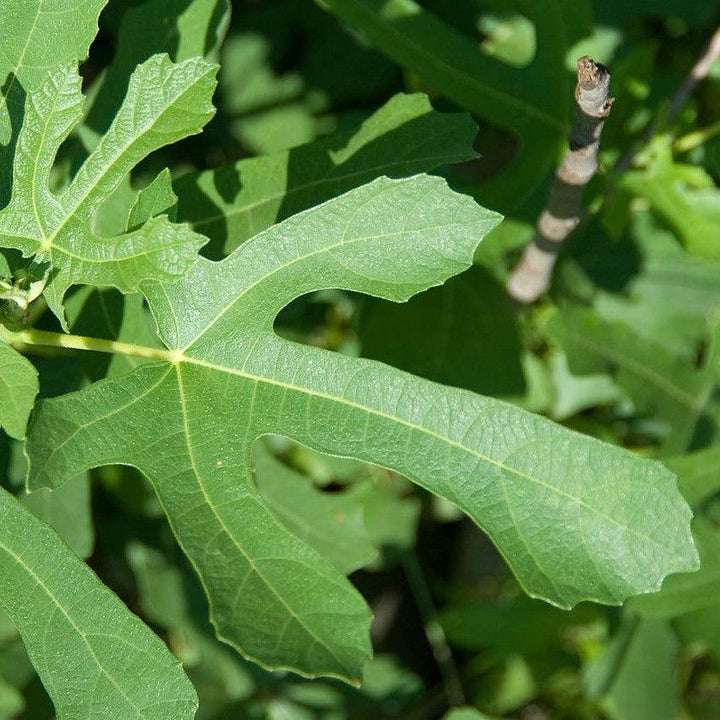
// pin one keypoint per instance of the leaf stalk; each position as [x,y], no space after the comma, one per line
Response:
[44,338]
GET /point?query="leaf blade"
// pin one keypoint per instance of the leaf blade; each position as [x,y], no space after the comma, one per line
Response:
[165,102]
[18,388]
[49,593]
[532,485]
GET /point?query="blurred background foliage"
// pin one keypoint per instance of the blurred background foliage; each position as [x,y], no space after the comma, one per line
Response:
[624,347]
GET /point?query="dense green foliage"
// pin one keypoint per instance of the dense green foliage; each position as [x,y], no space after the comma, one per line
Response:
[260,380]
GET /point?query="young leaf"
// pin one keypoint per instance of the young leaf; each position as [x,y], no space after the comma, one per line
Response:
[562,508]
[404,137]
[18,388]
[36,37]
[165,102]
[93,656]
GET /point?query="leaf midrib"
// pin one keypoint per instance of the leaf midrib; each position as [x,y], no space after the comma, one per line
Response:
[228,531]
[175,358]
[420,428]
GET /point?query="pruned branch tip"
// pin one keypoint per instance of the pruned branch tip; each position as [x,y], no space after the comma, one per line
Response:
[531,278]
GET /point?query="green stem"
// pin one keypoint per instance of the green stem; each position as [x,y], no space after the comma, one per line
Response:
[43,338]
[434,631]
[695,139]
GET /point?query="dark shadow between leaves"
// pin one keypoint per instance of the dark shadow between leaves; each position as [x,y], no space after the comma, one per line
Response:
[13,95]
[463,333]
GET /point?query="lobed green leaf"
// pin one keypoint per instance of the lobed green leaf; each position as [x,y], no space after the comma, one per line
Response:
[575,518]
[165,102]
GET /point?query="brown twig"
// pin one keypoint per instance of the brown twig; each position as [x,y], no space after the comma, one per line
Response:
[682,95]
[531,278]
[699,71]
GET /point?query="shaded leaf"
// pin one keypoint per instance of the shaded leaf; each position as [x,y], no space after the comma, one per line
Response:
[698,474]
[659,383]
[156,199]
[67,509]
[216,671]
[616,11]
[532,102]
[463,334]
[573,394]
[404,137]
[637,676]
[105,313]
[349,527]
[688,591]
[522,627]
[333,523]
[701,627]
[11,701]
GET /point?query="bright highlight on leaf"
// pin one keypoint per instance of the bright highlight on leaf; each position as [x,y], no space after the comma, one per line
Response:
[541,492]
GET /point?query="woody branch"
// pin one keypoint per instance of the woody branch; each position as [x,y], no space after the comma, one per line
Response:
[531,278]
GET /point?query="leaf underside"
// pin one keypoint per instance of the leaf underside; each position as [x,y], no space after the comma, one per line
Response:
[575,518]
